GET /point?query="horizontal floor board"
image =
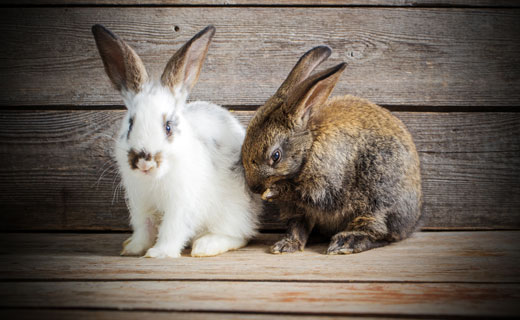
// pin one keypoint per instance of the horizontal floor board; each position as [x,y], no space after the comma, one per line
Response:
[395,56]
[271,297]
[469,257]
[465,3]
[57,314]
[56,172]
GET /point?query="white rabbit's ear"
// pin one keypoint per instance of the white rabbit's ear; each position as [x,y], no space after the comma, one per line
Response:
[303,68]
[312,94]
[122,65]
[183,69]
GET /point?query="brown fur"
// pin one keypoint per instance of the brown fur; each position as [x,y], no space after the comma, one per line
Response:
[349,168]
[158,157]
[122,65]
[126,70]
[185,65]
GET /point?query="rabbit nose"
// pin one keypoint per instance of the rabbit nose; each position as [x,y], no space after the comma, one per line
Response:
[145,165]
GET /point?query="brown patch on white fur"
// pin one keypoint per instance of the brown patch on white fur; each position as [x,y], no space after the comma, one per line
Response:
[158,157]
[134,157]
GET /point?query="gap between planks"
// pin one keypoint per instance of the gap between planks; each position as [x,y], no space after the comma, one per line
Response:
[198,280]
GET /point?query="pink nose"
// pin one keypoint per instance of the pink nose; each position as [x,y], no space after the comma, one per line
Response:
[146,166]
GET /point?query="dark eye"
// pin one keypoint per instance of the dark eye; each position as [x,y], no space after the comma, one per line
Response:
[130,125]
[168,128]
[276,156]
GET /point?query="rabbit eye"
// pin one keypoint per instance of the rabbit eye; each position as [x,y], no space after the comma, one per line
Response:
[168,128]
[130,125]
[276,156]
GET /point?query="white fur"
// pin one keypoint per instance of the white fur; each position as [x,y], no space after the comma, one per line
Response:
[198,192]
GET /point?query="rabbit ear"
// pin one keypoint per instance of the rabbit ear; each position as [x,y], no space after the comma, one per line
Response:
[303,68]
[184,66]
[122,65]
[312,94]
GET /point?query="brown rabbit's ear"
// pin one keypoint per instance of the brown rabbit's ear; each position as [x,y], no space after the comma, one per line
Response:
[122,65]
[303,68]
[312,94]
[184,67]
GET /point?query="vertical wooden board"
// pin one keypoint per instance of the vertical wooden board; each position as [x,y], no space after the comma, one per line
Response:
[455,185]
[57,172]
[395,56]
[62,162]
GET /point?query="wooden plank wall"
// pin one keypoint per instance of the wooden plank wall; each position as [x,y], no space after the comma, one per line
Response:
[449,69]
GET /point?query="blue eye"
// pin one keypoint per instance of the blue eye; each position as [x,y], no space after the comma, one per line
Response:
[168,128]
[276,156]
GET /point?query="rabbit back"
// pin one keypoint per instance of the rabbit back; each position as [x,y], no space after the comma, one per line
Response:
[342,165]
[227,196]
[216,128]
[363,162]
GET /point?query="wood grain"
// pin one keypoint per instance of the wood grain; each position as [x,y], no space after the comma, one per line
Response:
[395,56]
[39,314]
[57,174]
[412,3]
[271,297]
[469,257]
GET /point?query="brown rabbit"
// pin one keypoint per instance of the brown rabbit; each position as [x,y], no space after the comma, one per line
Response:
[344,166]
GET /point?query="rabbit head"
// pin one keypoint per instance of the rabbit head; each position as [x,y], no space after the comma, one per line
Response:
[278,137]
[153,129]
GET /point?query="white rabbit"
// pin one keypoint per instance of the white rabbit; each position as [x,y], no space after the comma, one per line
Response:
[179,162]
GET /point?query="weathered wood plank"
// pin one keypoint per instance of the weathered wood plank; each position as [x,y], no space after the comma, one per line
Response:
[56,172]
[39,314]
[396,56]
[411,3]
[413,299]
[476,257]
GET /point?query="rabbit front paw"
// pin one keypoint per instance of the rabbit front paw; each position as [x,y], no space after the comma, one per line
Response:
[349,242]
[161,253]
[134,247]
[286,245]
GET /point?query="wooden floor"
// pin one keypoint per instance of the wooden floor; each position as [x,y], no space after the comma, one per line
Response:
[432,274]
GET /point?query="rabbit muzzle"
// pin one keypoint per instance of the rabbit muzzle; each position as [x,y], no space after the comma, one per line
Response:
[144,161]
[268,191]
